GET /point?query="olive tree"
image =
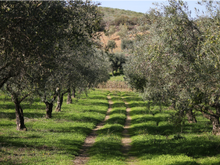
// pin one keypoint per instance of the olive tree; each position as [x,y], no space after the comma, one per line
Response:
[32,47]
[178,62]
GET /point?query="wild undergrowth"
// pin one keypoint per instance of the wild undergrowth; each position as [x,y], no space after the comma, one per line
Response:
[49,141]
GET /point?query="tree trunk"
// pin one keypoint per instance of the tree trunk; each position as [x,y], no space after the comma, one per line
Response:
[49,108]
[74,93]
[69,99]
[215,126]
[19,117]
[214,120]
[191,116]
[59,102]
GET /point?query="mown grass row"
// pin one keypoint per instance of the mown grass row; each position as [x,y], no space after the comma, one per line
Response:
[155,140]
[49,141]
[108,147]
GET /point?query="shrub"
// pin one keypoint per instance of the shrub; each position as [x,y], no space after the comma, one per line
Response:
[121,20]
[126,44]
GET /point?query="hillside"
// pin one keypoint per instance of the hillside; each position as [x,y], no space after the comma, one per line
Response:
[118,24]
[112,14]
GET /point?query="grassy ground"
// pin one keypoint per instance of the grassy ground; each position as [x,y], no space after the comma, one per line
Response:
[116,83]
[157,141]
[49,141]
[57,141]
[107,148]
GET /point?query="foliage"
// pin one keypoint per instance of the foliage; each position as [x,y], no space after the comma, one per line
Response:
[110,31]
[178,61]
[123,31]
[47,48]
[117,60]
[111,45]
[157,141]
[126,44]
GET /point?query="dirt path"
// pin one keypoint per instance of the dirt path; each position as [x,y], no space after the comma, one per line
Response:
[83,157]
[126,140]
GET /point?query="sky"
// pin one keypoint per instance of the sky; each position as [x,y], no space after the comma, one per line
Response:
[142,5]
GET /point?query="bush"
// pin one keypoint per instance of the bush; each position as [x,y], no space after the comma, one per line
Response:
[111,45]
[121,20]
[126,44]
[123,31]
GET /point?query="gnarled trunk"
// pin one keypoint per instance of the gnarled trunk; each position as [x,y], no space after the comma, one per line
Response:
[59,102]
[49,108]
[215,126]
[214,118]
[69,99]
[74,93]
[19,116]
[191,117]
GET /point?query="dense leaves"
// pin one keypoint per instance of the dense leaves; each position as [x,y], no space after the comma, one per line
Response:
[178,62]
[47,48]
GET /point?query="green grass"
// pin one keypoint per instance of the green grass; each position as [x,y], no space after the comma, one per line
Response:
[117,78]
[49,141]
[107,148]
[156,141]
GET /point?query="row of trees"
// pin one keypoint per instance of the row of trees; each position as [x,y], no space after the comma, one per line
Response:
[178,62]
[48,49]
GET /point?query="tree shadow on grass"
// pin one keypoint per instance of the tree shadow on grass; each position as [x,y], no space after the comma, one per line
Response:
[115,105]
[98,97]
[86,118]
[116,120]
[106,149]
[23,105]
[185,163]
[148,118]
[95,111]
[132,98]
[71,146]
[168,128]
[100,104]
[137,104]
[196,147]
[11,115]
[68,146]
[113,128]
[118,111]
[76,129]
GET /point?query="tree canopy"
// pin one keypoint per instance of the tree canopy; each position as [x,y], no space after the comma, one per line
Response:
[178,62]
[47,48]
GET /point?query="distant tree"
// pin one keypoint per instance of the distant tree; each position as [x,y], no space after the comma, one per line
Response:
[110,31]
[111,45]
[126,44]
[123,31]
[117,60]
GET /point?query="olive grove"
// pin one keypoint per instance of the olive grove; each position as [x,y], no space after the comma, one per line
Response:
[178,62]
[47,49]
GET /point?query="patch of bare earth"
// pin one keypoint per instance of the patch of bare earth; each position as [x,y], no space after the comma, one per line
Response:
[126,140]
[83,157]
